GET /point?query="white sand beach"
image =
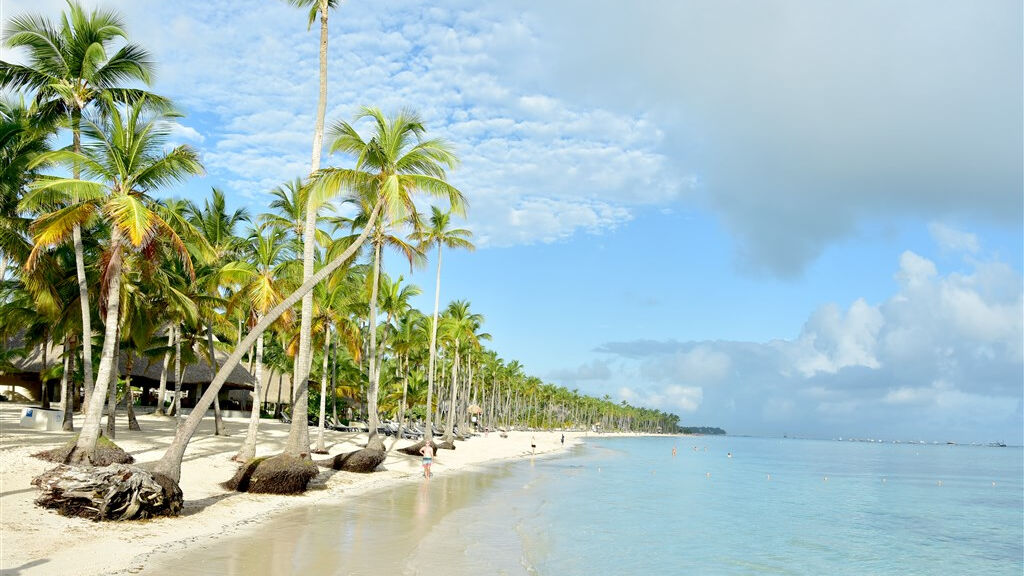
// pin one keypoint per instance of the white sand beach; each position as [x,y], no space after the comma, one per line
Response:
[38,541]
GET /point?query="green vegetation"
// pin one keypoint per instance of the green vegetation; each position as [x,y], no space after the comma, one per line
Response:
[84,235]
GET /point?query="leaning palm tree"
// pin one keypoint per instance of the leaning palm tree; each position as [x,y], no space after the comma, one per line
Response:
[69,69]
[124,161]
[393,164]
[440,233]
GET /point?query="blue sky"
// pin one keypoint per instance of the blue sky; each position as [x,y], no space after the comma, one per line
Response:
[780,217]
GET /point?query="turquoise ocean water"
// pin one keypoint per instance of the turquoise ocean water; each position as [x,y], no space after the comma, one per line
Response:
[627,506]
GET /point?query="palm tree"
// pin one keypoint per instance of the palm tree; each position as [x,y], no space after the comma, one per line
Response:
[441,234]
[392,165]
[261,278]
[461,327]
[304,357]
[69,69]
[125,163]
[217,227]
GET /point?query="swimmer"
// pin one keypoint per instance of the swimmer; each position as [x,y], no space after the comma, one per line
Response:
[729,455]
[673,451]
[769,477]
[707,475]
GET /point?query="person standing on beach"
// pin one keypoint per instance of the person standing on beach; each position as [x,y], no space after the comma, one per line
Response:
[428,458]
[563,439]
[533,444]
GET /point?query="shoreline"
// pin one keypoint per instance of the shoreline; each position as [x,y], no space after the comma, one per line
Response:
[34,540]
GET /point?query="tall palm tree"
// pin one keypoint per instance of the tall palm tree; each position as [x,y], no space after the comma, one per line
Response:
[395,163]
[461,329]
[261,278]
[125,161]
[439,233]
[304,357]
[69,69]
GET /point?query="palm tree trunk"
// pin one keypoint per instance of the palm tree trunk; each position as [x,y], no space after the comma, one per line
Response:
[218,423]
[248,450]
[162,390]
[433,347]
[176,403]
[449,432]
[129,400]
[334,389]
[69,385]
[298,434]
[3,266]
[374,442]
[94,412]
[170,464]
[401,409]
[320,446]
[44,392]
[112,395]
[83,285]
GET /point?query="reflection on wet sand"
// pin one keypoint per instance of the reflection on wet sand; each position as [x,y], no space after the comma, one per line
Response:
[379,532]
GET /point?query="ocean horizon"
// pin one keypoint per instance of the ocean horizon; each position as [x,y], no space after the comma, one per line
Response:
[625,505]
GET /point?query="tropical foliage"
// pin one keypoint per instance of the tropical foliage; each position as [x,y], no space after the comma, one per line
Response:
[89,253]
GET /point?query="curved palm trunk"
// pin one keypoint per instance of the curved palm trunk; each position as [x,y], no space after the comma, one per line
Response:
[162,390]
[94,412]
[374,441]
[248,450]
[298,434]
[170,464]
[320,446]
[449,431]
[429,432]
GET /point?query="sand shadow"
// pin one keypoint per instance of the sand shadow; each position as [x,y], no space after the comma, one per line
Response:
[25,566]
[196,506]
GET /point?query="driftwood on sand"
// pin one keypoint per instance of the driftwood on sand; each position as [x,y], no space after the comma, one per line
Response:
[115,492]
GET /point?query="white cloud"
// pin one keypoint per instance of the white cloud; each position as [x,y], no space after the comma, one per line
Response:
[953,240]
[943,357]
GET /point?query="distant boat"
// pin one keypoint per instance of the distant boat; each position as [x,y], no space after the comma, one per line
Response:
[997,445]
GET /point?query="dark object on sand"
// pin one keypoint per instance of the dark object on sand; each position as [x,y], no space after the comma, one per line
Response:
[414,450]
[116,492]
[364,461]
[281,474]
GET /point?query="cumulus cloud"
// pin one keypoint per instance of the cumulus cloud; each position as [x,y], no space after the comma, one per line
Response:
[940,358]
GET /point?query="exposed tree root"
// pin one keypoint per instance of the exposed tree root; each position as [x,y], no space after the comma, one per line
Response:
[116,492]
[281,474]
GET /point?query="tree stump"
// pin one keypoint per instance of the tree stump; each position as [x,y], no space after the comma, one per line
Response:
[116,492]
[105,454]
[363,461]
[281,474]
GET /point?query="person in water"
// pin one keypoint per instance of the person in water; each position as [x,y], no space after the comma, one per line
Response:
[428,458]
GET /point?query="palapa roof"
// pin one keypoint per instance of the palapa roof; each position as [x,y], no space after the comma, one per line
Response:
[142,366]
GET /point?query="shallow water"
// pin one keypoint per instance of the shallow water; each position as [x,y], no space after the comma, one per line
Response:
[627,506]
